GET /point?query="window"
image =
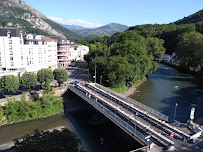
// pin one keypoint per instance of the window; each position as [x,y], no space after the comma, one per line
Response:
[10,41]
[21,57]
[10,47]
[12,64]
[11,58]
[20,41]
[9,34]
[0,64]
[11,52]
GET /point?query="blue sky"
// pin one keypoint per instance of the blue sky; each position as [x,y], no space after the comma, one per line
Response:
[94,13]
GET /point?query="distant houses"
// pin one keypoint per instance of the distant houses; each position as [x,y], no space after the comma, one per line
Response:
[20,52]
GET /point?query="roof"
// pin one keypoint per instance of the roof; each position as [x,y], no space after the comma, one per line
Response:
[49,39]
[15,32]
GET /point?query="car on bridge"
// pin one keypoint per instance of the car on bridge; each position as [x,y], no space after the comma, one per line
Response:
[76,82]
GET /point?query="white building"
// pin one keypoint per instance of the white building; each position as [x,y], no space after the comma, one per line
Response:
[12,53]
[52,52]
[20,52]
[36,53]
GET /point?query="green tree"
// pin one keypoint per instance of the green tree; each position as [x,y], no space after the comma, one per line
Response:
[45,77]
[10,83]
[60,75]
[155,47]
[190,50]
[28,80]
[4,23]
[1,114]
[40,141]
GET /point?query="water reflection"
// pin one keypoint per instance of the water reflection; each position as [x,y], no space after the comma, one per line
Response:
[166,87]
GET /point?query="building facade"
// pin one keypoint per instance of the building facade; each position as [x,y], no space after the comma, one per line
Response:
[20,52]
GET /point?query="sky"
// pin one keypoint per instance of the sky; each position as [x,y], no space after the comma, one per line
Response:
[95,13]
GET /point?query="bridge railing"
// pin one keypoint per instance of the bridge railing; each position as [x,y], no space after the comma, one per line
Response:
[122,124]
[146,108]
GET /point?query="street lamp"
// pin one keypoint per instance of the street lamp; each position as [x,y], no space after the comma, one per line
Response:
[95,69]
[175,111]
[101,79]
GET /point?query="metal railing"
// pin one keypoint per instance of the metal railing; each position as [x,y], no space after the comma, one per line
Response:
[124,124]
[156,120]
[146,108]
[118,121]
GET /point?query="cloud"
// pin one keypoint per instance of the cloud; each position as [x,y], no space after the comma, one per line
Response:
[79,22]
[146,22]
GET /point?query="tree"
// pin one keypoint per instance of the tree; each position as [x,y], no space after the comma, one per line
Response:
[40,141]
[45,77]
[28,80]
[155,47]
[1,114]
[10,83]
[4,23]
[60,75]
[190,50]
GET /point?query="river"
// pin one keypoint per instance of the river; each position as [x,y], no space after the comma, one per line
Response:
[166,87]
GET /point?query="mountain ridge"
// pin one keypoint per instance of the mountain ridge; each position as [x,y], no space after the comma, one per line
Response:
[108,30]
[17,13]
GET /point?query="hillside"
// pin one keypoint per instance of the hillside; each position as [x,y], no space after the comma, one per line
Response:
[17,13]
[73,27]
[109,30]
[194,18]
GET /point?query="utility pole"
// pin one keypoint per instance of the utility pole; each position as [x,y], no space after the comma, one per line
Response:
[101,79]
[95,69]
[175,112]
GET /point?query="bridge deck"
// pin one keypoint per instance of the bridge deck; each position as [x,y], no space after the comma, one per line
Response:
[137,117]
[132,103]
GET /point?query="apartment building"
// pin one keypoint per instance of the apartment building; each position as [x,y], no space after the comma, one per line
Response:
[20,52]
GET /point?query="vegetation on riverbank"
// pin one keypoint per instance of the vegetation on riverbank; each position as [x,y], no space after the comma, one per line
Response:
[24,109]
[63,141]
[123,59]
[124,88]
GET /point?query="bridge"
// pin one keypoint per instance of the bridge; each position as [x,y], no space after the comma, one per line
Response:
[146,125]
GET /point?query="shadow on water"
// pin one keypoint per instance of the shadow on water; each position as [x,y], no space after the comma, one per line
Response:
[79,112]
[166,87]
[186,98]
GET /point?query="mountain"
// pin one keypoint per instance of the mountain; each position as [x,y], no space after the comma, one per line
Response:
[17,13]
[194,18]
[109,30]
[74,27]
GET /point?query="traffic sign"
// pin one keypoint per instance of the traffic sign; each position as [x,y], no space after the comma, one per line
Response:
[171,135]
[192,113]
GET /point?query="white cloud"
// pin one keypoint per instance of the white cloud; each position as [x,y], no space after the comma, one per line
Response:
[79,22]
[146,22]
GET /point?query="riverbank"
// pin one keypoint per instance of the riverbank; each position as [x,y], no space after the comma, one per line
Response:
[182,69]
[131,90]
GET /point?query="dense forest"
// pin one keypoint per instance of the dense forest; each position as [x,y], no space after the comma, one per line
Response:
[123,59]
[126,57]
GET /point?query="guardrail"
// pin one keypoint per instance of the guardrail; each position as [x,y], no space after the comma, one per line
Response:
[152,132]
[137,110]
[122,124]
[148,109]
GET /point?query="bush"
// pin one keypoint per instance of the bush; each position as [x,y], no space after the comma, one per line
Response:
[26,109]
[1,114]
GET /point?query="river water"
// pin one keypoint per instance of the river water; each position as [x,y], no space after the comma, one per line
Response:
[166,87]
[161,91]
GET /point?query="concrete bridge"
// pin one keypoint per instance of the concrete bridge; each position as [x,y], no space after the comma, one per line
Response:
[154,130]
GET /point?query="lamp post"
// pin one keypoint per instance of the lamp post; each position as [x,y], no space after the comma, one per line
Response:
[175,111]
[101,79]
[95,69]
